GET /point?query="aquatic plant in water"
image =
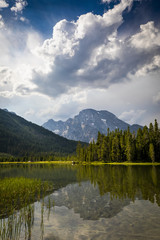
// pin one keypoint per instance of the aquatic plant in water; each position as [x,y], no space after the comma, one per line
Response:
[16,208]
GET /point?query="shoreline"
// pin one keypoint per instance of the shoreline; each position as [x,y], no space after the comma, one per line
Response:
[85,163]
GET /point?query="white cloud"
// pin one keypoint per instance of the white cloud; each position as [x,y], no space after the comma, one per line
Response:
[85,64]
[107,1]
[86,53]
[17,62]
[75,54]
[3,4]
[132,116]
[23,19]
[148,38]
[19,6]
[16,81]
[1,22]
[6,84]
[154,65]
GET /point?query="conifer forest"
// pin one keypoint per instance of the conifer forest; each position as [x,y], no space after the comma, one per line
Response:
[122,146]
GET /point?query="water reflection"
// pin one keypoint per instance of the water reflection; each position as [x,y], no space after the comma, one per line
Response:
[87,202]
[21,221]
[20,224]
[60,176]
[123,182]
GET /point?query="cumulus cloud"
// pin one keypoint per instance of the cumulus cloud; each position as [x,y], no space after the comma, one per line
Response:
[80,59]
[85,52]
[19,6]
[3,4]
[154,65]
[89,53]
[148,38]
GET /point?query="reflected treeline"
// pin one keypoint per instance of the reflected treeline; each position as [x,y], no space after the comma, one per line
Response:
[17,208]
[23,198]
[125,181]
[59,175]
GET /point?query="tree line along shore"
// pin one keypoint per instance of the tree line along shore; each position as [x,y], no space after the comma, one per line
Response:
[123,146]
[116,147]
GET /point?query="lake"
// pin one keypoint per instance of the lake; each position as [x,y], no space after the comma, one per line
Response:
[82,203]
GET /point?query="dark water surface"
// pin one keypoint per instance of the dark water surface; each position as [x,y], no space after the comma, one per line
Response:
[86,202]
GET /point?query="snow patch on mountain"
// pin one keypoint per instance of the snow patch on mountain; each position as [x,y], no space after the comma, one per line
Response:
[85,125]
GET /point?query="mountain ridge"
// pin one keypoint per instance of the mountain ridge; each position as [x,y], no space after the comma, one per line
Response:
[20,137]
[85,126]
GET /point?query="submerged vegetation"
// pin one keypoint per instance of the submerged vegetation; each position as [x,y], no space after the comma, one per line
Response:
[16,208]
[123,146]
[19,192]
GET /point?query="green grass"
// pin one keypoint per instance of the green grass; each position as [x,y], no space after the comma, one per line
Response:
[39,162]
[16,193]
[16,208]
[138,163]
[85,163]
[121,163]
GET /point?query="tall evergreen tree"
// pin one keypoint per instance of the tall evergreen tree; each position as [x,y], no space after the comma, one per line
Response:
[151,152]
[120,146]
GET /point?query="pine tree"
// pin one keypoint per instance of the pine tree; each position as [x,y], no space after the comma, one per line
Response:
[151,152]
[78,150]
[115,154]
[129,149]
[120,146]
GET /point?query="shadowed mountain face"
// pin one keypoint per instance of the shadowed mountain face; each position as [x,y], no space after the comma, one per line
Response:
[20,137]
[85,126]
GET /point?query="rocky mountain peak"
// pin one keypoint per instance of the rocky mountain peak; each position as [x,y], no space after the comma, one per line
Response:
[85,125]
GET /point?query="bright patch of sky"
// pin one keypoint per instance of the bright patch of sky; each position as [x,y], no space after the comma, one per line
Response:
[59,57]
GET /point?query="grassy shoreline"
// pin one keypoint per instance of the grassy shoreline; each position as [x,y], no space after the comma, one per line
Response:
[84,163]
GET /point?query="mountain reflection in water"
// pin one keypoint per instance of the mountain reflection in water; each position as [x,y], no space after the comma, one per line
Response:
[112,188]
[142,182]
[88,202]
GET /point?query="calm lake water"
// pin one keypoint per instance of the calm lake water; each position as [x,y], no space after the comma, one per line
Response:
[87,202]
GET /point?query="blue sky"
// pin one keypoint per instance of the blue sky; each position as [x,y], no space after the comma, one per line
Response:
[59,57]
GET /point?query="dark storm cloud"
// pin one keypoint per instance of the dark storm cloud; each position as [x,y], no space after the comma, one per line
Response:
[89,53]
[104,58]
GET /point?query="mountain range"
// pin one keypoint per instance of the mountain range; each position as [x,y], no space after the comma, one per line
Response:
[19,137]
[85,126]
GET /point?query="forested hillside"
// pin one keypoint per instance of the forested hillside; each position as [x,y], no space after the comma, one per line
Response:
[22,138]
[121,146]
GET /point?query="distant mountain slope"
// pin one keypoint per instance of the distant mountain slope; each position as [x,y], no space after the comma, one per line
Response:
[86,124]
[19,137]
